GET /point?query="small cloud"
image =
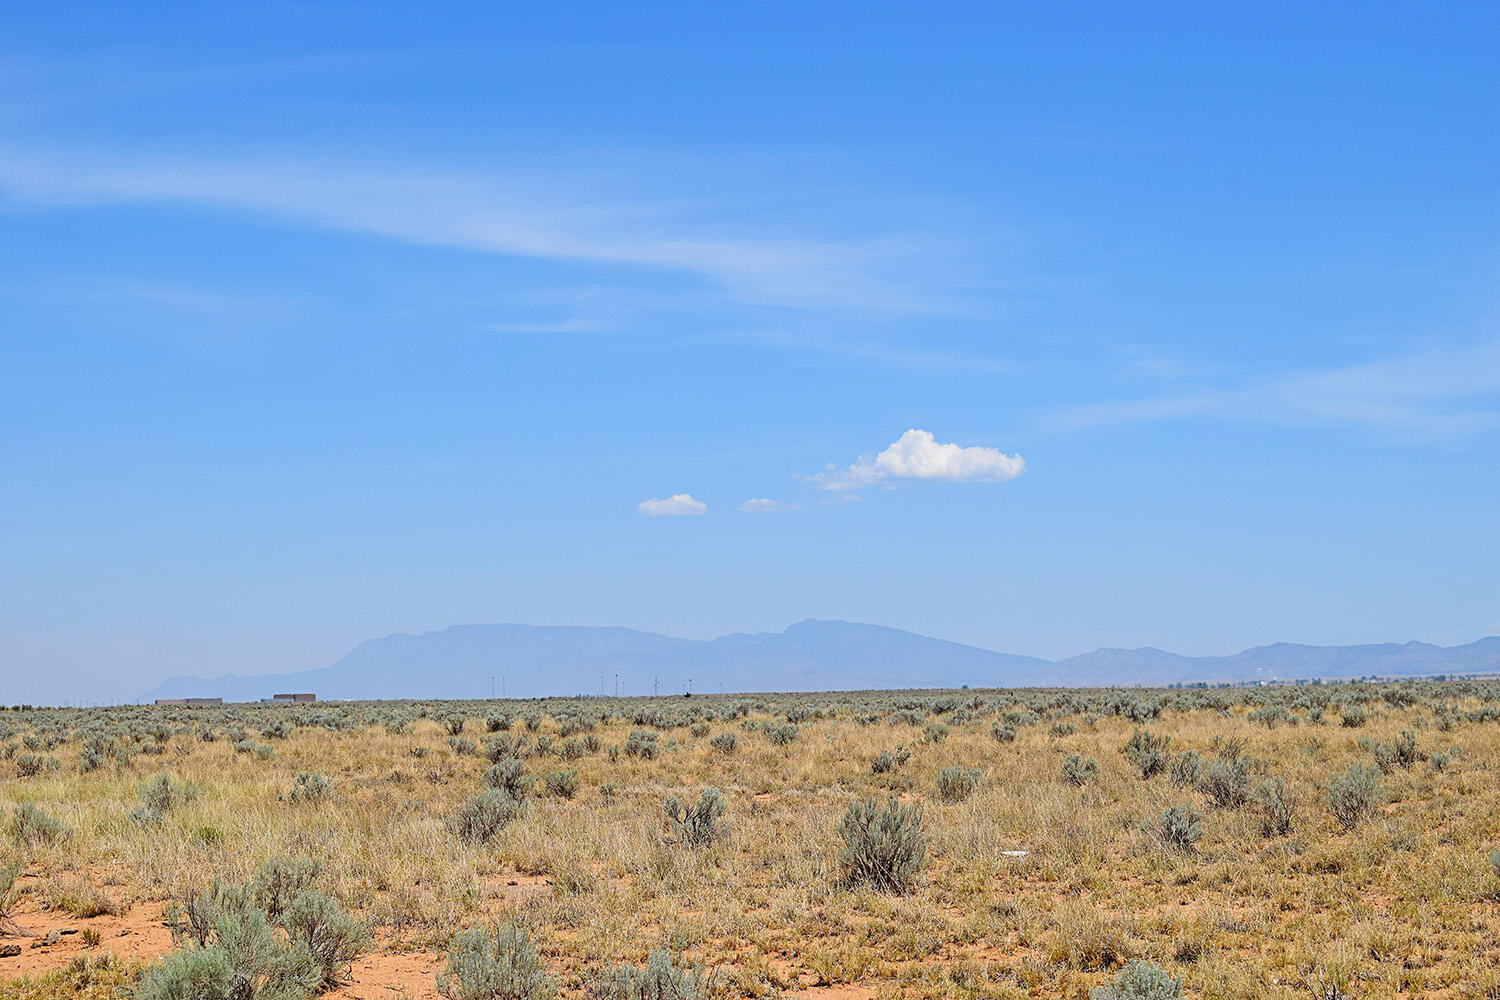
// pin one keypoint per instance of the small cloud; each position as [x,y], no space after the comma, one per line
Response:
[917,455]
[575,324]
[677,503]
[764,504]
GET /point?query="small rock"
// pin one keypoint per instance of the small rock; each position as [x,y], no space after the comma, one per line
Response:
[52,938]
[67,930]
[10,950]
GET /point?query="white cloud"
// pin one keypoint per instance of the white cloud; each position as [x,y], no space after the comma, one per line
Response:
[677,503]
[764,504]
[917,455]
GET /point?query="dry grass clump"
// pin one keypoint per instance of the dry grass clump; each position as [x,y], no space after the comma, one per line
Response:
[79,897]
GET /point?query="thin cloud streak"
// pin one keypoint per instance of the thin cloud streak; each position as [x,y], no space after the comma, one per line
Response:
[934,361]
[759,505]
[498,212]
[1433,395]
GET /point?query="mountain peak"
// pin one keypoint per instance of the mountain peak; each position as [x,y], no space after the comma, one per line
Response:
[471,661]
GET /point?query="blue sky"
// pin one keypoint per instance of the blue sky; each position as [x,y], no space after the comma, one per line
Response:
[324,321]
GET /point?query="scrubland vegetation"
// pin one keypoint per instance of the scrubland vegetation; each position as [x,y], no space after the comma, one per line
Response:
[1311,841]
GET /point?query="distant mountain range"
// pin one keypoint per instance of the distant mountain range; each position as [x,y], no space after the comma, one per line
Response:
[539,660]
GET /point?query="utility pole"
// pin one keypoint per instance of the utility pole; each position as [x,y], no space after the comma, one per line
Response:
[617,685]
[690,685]
[492,687]
[502,685]
[654,691]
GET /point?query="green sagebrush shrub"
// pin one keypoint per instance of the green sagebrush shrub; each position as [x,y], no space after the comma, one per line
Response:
[500,748]
[884,846]
[1278,807]
[10,896]
[1353,795]
[887,761]
[957,783]
[563,784]
[1147,752]
[1179,828]
[1186,769]
[231,948]
[509,775]
[642,743]
[1226,782]
[334,938]
[1139,981]
[485,815]
[1403,753]
[32,825]
[160,796]
[699,824]
[498,964]
[1079,772]
[782,735]
[662,979]
[278,880]
[29,765]
[309,786]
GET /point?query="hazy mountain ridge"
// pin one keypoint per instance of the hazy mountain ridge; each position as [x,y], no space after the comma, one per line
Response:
[537,660]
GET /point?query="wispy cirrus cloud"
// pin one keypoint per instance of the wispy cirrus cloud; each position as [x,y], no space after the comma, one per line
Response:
[926,360]
[766,505]
[1440,393]
[510,212]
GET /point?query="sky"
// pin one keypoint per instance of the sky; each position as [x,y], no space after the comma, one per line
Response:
[1039,327]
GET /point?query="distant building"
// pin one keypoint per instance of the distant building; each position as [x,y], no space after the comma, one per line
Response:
[298,698]
[191,702]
